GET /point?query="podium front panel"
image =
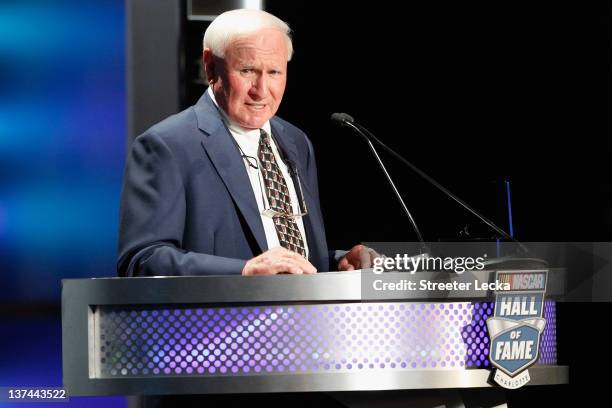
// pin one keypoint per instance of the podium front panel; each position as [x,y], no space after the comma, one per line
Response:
[158,336]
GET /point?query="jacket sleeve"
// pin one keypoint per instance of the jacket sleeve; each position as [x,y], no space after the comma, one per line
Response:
[152,218]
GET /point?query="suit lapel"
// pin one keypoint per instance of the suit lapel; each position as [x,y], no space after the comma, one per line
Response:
[224,155]
[287,145]
[314,235]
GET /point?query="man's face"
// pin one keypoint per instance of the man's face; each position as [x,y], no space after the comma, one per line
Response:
[250,80]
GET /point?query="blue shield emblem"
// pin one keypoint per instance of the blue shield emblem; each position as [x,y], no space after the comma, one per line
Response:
[516,349]
[516,326]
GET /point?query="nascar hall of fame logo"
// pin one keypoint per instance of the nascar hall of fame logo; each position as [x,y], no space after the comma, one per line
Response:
[516,327]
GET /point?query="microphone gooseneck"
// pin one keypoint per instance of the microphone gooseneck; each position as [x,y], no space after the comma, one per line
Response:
[347,120]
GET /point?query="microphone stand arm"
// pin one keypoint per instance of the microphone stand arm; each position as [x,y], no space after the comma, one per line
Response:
[359,130]
[363,130]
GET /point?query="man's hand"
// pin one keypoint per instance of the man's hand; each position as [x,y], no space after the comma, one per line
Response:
[359,257]
[278,260]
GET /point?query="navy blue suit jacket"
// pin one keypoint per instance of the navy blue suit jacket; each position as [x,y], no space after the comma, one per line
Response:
[187,206]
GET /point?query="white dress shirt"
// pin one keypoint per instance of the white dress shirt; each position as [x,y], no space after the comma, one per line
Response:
[248,140]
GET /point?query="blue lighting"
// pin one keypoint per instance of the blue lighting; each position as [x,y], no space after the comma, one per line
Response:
[62,136]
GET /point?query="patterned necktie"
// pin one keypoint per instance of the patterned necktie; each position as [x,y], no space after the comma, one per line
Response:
[289,235]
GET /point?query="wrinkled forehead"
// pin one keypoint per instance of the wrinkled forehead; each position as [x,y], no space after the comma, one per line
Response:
[266,43]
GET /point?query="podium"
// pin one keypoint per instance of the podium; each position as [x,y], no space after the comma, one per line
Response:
[284,333]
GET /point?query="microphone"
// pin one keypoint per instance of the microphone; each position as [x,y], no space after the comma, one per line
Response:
[342,118]
[347,120]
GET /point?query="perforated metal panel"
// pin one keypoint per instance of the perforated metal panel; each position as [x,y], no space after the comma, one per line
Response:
[548,345]
[310,338]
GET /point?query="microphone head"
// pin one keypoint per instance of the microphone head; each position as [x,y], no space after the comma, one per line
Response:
[342,118]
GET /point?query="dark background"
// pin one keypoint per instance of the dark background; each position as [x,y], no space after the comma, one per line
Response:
[473,93]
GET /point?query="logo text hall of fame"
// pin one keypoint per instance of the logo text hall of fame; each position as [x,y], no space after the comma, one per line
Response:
[517,325]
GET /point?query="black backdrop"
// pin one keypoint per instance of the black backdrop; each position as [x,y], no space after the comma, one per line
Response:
[474,94]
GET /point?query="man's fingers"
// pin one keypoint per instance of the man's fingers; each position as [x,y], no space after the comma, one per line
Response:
[286,267]
[281,260]
[344,265]
[367,257]
[267,267]
[278,260]
[359,257]
[306,266]
[364,258]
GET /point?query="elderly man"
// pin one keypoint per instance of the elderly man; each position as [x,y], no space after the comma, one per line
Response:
[226,187]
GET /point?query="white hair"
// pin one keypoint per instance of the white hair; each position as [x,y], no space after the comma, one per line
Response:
[233,24]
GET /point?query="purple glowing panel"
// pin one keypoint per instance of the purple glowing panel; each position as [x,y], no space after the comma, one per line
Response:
[476,337]
[548,346]
[296,339]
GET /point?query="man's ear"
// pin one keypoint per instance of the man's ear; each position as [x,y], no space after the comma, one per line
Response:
[209,65]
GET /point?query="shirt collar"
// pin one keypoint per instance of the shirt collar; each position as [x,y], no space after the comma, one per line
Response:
[233,126]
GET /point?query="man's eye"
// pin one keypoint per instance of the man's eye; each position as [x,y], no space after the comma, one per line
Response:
[246,70]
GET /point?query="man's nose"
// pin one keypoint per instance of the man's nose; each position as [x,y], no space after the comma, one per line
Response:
[259,87]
